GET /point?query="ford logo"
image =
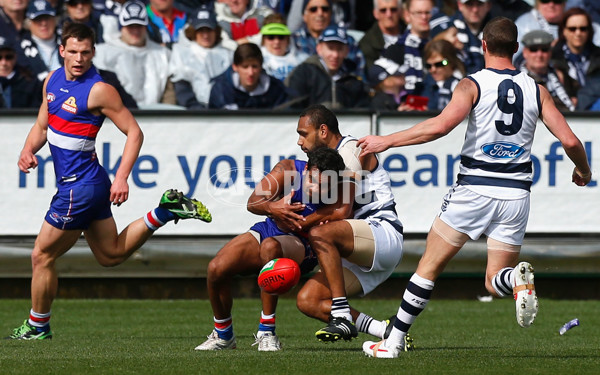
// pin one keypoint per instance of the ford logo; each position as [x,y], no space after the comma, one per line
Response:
[502,150]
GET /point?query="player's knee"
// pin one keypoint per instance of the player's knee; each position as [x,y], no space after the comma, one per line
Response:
[40,258]
[303,302]
[490,289]
[107,261]
[318,234]
[216,270]
[270,249]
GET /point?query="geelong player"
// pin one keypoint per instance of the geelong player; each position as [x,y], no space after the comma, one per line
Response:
[491,195]
[283,195]
[75,103]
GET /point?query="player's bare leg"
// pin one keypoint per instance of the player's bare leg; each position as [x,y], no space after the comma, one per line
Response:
[238,257]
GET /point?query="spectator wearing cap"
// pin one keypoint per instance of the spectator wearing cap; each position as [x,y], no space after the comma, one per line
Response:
[197,58]
[317,15]
[408,50]
[471,18]
[574,56]
[388,82]
[18,88]
[165,22]
[81,11]
[245,85]
[327,77]
[241,21]
[280,56]
[141,65]
[444,69]
[41,47]
[385,31]
[545,15]
[12,21]
[536,63]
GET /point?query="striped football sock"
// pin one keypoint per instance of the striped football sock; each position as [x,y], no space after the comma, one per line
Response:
[224,328]
[340,308]
[366,324]
[267,323]
[502,282]
[415,299]
[158,217]
[39,320]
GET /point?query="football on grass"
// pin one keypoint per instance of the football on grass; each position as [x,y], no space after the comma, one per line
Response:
[279,275]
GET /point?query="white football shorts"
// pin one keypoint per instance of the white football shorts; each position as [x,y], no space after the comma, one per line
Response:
[504,220]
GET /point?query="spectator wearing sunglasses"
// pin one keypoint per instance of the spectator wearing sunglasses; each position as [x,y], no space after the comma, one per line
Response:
[590,6]
[81,11]
[545,15]
[197,58]
[317,16]
[444,71]
[280,56]
[384,32]
[18,88]
[575,57]
[537,45]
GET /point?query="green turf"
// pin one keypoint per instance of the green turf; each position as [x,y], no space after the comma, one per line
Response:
[158,337]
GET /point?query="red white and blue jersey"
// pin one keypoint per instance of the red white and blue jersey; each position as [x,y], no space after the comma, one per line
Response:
[72,129]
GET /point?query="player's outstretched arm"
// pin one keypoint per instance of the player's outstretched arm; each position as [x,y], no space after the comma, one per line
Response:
[267,198]
[431,129]
[105,99]
[556,123]
[36,138]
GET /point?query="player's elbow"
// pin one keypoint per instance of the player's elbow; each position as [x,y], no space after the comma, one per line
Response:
[571,144]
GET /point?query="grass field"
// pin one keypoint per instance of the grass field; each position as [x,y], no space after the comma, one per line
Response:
[158,337]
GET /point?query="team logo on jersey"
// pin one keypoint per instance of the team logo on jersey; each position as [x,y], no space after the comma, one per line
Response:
[69,105]
[502,150]
[50,97]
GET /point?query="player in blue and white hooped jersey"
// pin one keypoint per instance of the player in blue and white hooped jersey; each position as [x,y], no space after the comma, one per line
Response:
[491,195]
[291,192]
[357,252]
[75,103]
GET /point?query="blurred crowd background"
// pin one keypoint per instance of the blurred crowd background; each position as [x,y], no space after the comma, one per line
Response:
[381,55]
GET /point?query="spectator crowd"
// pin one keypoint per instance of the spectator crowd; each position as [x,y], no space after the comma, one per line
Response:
[394,55]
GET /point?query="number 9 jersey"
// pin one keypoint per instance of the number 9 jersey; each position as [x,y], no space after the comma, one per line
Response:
[496,155]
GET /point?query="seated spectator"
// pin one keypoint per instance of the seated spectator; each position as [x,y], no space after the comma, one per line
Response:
[141,65]
[17,87]
[12,22]
[245,84]
[471,18]
[240,21]
[108,16]
[317,16]
[545,15]
[165,22]
[342,12]
[388,82]
[41,48]
[385,31]
[410,45]
[197,58]
[590,6]
[280,56]
[326,78]
[445,71]
[536,62]
[575,56]
[80,11]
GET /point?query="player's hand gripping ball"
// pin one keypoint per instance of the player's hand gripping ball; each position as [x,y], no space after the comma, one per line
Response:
[279,275]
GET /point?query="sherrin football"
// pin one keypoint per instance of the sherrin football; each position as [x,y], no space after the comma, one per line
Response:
[279,275]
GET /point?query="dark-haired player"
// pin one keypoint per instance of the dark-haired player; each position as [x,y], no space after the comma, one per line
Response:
[75,103]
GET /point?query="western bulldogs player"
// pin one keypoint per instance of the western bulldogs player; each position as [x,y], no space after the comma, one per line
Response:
[491,195]
[75,103]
